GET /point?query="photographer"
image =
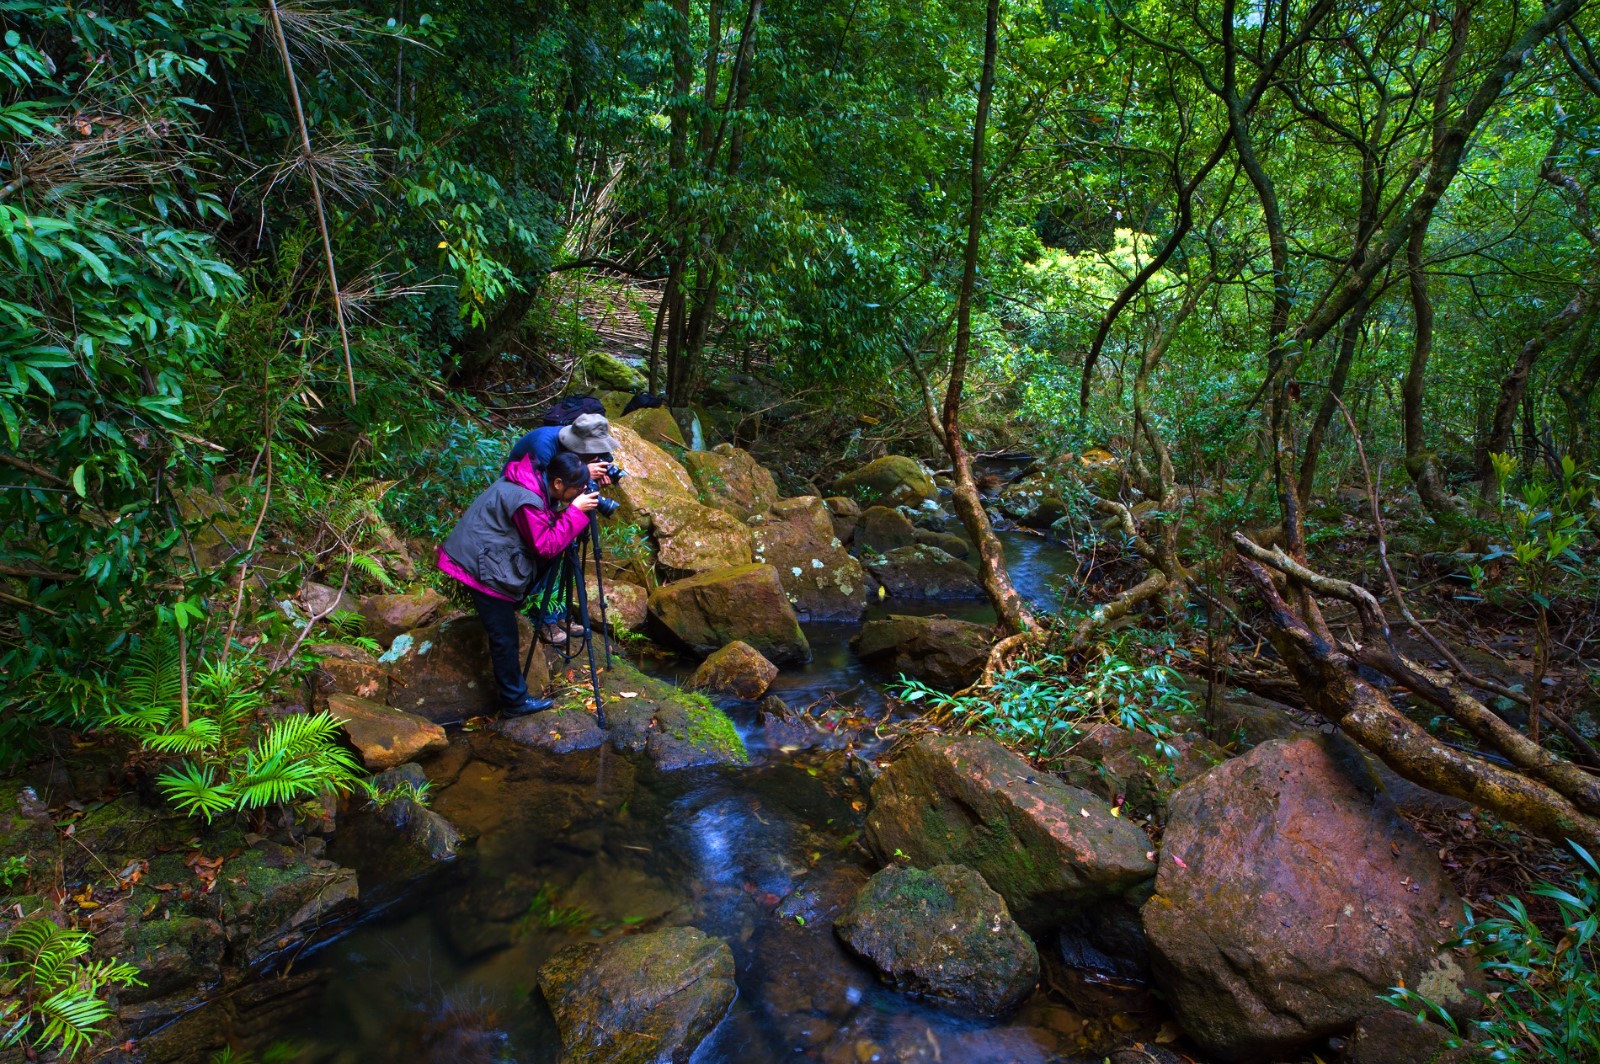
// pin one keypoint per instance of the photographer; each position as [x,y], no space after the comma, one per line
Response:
[505,542]
[589,436]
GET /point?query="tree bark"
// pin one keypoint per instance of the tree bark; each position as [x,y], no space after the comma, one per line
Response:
[1421,463]
[1514,384]
[1010,610]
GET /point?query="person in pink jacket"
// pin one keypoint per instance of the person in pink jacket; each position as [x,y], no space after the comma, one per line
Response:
[510,534]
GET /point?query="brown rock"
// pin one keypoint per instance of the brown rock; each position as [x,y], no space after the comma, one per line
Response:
[845,514]
[1043,846]
[924,573]
[626,604]
[954,546]
[730,479]
[691,538]
[346,670]
[820,577]
[1111,761]
[1290,896]
[654,477]
[389,615]
[941,652]
[746,602]
[881,530]
[737,669]
[385,736]
[444,672]
[655,424]
[320,600]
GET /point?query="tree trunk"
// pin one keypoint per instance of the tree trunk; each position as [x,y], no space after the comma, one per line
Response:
[1421,463]
[1011,611]
[1514,384]
[1348,337]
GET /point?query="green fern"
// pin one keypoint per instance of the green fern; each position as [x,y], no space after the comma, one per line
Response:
[372,567]
[48,996]
[348,624]
[195,791]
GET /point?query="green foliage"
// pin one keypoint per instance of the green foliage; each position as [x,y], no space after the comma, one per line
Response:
[629,546]
[227,759]
[546,913]
[1546,1002]
[1041,706]
[439,475]
[379,798]
[13,870]
[51,995]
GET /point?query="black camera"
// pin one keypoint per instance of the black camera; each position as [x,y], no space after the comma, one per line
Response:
[603,506]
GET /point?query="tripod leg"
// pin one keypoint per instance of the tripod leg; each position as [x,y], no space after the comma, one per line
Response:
[588,642]
[600,589]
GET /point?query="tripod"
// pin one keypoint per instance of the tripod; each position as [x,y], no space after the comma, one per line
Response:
[569,587]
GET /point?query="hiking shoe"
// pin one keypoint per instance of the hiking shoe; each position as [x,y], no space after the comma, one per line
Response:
[575,628]
[554,634]
[526,706]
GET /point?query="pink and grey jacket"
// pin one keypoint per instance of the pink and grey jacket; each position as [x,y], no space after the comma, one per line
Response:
[508,534]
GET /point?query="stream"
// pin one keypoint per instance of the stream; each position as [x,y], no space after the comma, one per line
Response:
[591,845]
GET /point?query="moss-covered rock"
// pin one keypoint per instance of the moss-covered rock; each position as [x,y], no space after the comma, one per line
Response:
[676,728]
[642,999]
[388,615]
[654,478]
[745,602]
[606,372]
[893,480]
[738,669]
[954,546]
[1043,846]
[691,538]
[942,933]
[882,529]
[822,580]
[732,480]
[657,425]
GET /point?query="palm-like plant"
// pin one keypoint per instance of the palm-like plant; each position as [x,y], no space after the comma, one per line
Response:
[229,758]
[49,995]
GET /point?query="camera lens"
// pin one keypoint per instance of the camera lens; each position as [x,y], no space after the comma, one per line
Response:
[606,507]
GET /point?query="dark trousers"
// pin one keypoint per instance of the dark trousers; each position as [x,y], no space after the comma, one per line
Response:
[499,619]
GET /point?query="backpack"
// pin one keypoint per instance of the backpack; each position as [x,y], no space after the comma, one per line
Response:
[566,411]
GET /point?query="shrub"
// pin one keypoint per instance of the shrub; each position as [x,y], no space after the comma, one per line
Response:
[49,994]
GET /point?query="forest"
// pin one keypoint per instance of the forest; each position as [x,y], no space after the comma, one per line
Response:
[1102,561]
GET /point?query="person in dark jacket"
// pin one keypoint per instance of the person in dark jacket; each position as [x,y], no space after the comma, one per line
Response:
[507,537]
[588,437]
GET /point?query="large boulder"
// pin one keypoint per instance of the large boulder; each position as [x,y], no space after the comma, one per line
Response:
[691,538]
[893,480]
[676,729]
[923,572]
[442,672]
[641,999]
[388,615]
[1290,896]
[1043,846]
[603,370]
[1110,760]
[882,530]
[821,578]
[424,829]
[560,731]
[941,652]
[653,478]
[732,480]
[655,424]
[738,669]
[385,736]
[320,600]
[942,933]
[954,546]
[746,602]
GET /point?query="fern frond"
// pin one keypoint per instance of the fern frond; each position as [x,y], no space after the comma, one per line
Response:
[202,734]
[152,677]
[32,939]
[72,1018]
[195,791]
[347,623]
[300,734]
[275,780]
[371,566]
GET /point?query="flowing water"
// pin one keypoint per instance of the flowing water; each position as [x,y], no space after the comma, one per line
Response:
[591,845]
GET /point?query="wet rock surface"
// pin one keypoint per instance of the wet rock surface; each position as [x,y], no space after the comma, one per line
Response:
[642,999]
[943,933]
[923,572]
[881,530]
[385,736]
[746,603]
[1290,896]
[943,653]
[560,731]
[1043,846]
[738,669]
[431,834]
